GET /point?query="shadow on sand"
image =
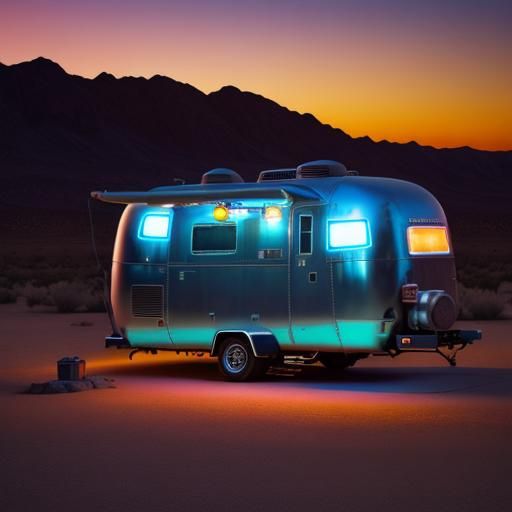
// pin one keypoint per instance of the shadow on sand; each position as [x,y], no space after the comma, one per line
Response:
[495,382]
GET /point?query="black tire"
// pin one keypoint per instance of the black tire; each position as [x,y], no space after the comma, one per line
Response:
[337,360]
[237,361]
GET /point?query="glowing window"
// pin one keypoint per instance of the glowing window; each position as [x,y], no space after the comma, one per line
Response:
[154,226]
[349,234]
[428,240]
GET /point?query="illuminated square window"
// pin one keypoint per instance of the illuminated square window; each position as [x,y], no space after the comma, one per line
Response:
[154,226]
[349,234]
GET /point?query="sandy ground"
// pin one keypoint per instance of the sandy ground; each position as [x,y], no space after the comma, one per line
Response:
[407,434]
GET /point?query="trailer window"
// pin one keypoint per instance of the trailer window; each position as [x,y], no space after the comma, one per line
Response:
[214,238]
[306,234]
[348,234]
[154,226]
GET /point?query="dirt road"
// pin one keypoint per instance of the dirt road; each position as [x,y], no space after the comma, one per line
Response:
[408,434]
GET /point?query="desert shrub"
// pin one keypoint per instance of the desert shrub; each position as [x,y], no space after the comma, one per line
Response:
[95,287]
[34,295]
[54,274]
[94,302]
[7,296]
[505,288]
[68,296]
[477,304]
[484,275]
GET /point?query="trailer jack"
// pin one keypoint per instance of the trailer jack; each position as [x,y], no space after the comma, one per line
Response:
[451,357]
[454,341]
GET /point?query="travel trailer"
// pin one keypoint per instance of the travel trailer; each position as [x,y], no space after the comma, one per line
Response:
[309,264]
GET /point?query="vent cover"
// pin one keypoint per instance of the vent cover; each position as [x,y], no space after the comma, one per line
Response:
[221,175]
[277,174]
[321,169]
[148,301]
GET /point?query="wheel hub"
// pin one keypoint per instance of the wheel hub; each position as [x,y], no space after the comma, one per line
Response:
[235,358]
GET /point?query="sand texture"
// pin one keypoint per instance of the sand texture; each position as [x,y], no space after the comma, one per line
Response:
[409,434]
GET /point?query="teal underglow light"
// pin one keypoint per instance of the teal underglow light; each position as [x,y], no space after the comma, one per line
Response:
[154,226]
[148,336]
[363,334]
[195,336]
[313,333]
[348,234]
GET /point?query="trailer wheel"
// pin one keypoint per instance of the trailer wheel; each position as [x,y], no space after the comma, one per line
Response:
[337,361]
[237,361]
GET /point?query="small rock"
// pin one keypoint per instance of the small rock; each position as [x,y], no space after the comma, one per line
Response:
[70,386]
[73,386]
[101,382]
[56,386]
[36,388]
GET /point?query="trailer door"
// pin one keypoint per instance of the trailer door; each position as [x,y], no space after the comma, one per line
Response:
[204,271]
[311,299]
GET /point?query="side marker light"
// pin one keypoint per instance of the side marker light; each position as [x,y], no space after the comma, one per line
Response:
[220,213]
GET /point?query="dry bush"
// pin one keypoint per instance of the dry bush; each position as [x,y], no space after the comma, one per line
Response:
[477,304]
[34,295]
[68,296]
[95,302]
[505,289]
[484,275]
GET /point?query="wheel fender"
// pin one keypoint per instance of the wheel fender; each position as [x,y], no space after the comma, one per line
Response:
[263,343]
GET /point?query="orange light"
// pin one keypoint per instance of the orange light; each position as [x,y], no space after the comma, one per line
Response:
[428,240]
[406,341]
[273,213]
[220,213]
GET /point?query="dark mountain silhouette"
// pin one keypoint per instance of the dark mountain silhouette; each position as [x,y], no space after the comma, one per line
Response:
[63,135]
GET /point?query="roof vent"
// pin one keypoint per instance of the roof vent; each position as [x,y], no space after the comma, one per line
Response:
[321,169]
[221,175]
[277,174]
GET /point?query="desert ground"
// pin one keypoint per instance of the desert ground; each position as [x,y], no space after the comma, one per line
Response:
[409,434]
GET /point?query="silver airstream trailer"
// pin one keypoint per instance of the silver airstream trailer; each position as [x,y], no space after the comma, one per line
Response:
[309,264]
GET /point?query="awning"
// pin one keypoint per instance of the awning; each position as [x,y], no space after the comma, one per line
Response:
[185,194]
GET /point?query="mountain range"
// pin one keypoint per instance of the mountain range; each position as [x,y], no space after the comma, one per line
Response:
[63,135]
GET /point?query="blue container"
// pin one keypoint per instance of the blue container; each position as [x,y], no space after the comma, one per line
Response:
[71,368]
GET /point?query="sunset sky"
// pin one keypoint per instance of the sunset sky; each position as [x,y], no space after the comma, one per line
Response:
[438,72]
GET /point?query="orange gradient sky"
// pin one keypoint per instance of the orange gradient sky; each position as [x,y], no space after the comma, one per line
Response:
[436,72]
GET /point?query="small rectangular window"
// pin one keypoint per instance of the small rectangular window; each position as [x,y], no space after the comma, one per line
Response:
[155,226]
[214,238]
[428,240]
[306,234]
[348,234]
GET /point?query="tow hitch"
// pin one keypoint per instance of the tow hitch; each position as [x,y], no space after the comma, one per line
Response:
[454,341]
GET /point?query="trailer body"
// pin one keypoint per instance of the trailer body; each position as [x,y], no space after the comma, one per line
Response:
[338,264]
